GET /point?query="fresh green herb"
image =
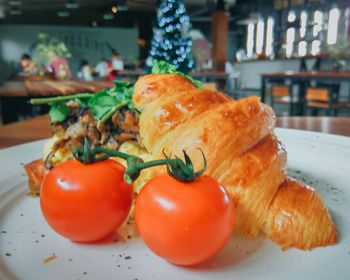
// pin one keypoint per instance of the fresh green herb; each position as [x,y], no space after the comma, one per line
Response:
[58,112]
[123,92]
[162,67]
[83,102]
[102,104]
[57,99]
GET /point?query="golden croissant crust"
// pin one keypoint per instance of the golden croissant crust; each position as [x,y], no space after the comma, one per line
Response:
[243,154]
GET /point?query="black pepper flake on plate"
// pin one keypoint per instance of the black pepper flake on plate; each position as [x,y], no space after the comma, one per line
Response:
[84,273]
[8,255]
[4,231]
[43,235]
[127,258]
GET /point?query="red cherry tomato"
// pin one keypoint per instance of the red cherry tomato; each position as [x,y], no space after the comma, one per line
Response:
[185,223]
[85,202]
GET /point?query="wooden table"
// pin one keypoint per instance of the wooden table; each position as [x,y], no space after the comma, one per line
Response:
[15,94]
[303,79]
[39,128]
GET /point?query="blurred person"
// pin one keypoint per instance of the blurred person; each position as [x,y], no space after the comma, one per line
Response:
[59,67]
[26,66]
[101,68]
[114,65]
[85,71]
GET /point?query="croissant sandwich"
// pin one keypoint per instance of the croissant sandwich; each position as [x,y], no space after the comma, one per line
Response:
[242,152]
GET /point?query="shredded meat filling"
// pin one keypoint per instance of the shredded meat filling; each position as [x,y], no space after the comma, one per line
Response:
[123,126]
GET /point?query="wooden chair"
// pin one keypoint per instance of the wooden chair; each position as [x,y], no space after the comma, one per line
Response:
[325,98]
[210,86]
[282,94]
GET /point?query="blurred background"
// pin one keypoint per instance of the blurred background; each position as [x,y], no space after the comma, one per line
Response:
[295,54]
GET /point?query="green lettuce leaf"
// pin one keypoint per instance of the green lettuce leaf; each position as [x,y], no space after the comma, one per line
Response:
[58,112]
[101,104]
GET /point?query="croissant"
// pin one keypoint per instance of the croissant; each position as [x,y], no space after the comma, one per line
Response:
[243,154]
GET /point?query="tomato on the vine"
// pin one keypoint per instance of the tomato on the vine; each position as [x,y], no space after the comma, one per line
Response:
[86,202]
[184,222]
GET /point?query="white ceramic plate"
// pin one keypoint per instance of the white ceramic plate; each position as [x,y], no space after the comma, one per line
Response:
[26,240]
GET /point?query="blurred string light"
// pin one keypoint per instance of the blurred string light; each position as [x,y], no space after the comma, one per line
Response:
[318,23]
[302,45]
[260,36]
[290,39]
[347,22]
[316,47]
[302,48]
[303,24]
[171,39]
[291,16]
[269,36]
[290,35]
[333,20]
[250,39]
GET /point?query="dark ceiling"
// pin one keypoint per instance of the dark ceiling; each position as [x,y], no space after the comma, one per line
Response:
[129,14]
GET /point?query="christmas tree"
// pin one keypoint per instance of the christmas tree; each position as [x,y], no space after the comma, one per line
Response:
[171,39]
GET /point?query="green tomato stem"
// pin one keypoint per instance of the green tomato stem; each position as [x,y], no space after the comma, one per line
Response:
[176,168]
[47,100]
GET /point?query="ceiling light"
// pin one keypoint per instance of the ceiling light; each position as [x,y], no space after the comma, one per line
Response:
[94,23]
[122,8]
[114,9]
[15,3]
[72,4]
[108,16]
[15,12]
[63,14]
